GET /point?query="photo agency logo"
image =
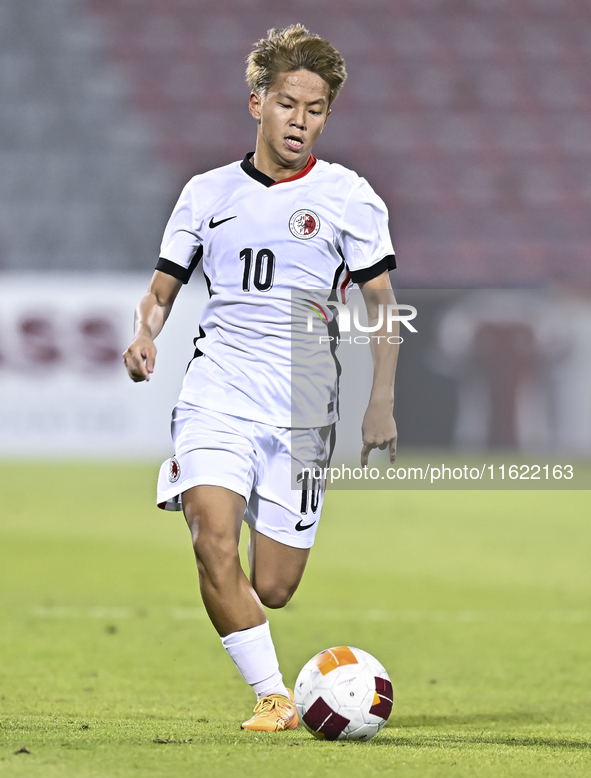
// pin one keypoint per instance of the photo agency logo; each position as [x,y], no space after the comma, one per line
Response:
[389,318]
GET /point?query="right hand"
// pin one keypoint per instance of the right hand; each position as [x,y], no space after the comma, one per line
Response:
[139,358]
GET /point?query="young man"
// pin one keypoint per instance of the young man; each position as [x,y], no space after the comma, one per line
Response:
[278,221]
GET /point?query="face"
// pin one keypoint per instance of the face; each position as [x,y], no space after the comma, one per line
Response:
[291,116]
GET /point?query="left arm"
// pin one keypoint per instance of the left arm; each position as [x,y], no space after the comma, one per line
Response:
[379,428]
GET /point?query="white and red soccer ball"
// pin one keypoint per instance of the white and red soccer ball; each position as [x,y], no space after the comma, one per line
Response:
[343,693]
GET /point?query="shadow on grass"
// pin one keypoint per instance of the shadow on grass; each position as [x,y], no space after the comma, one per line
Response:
[476,718]
[437,741]
[390,736]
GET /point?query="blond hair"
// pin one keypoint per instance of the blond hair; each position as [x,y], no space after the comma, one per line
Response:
[294,48]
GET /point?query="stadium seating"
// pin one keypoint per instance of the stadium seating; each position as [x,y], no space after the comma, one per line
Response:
[472,118]
[81,187]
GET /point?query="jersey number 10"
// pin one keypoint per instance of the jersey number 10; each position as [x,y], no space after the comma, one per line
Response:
[264,269]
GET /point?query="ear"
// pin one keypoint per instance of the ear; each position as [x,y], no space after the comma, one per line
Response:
[255,104]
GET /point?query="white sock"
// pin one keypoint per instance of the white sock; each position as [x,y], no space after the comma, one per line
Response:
[253,653]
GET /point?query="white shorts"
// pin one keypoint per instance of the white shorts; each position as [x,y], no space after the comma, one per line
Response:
[254,460]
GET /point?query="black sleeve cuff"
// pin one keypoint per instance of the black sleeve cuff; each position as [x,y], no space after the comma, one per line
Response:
[367,273]
[177,271]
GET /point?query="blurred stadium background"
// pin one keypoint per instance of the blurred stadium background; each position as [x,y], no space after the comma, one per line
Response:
[471,118]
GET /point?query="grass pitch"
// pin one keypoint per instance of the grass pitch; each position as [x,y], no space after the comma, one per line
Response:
[477,603]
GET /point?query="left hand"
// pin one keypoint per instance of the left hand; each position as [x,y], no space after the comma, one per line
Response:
[378,431]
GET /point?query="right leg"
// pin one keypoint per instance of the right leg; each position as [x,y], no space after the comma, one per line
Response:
[214,515]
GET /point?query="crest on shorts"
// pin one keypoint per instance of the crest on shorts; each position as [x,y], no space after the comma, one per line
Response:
[304,224]
[174,470]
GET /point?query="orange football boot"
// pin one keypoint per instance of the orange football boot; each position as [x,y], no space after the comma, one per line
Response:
[273,714]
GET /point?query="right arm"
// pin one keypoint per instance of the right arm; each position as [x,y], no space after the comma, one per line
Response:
[150,315]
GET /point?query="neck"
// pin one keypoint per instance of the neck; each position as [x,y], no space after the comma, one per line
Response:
[264,162]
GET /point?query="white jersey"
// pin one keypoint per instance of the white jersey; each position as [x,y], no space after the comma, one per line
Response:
[259,240]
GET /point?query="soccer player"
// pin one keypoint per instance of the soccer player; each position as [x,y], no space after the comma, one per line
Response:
[279,220]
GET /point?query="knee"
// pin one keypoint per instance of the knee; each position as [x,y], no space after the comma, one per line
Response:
[218,566]
[216,552]
[274,596]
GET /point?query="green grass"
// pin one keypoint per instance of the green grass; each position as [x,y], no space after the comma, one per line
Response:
[477,603]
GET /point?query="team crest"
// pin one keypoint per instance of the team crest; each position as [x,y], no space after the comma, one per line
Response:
[304,224]
[174,470]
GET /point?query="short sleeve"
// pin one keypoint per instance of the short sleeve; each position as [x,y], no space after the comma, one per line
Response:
[365,239]
[181,250]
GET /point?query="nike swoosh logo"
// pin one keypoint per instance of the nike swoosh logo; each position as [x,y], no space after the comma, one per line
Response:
[301,527]
[213,224]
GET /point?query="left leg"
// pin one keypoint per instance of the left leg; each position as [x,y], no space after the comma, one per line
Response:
[283,520]
[275,569]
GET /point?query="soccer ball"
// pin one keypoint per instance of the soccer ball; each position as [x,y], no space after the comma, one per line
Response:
[343,693]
